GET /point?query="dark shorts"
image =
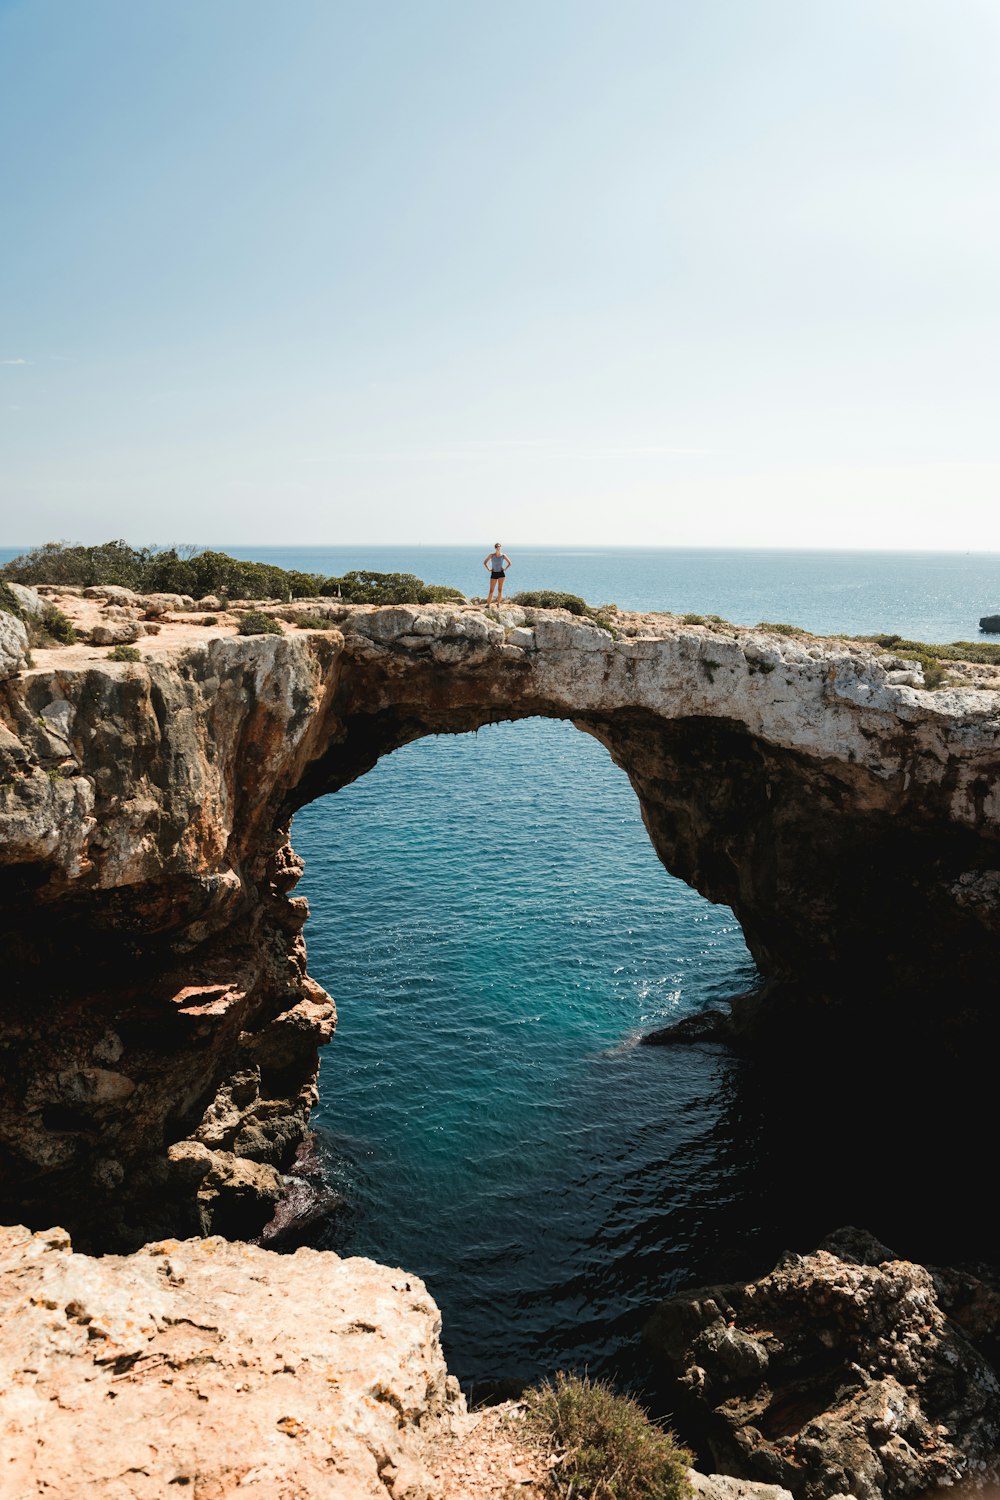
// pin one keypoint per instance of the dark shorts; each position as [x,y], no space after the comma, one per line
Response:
[497,577]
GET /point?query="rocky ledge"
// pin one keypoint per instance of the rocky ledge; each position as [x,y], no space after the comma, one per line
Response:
[221,1369]
[158,1027]
[213,1369]
[844,1372]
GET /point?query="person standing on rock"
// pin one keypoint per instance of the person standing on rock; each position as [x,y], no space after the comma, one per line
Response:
[497,562]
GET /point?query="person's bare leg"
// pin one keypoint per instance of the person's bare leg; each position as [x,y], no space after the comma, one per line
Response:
[489,597]
[499,592]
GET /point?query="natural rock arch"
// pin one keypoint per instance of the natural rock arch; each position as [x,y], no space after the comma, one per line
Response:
[159,1030]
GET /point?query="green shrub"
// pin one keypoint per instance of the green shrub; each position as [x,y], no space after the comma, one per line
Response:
[9,602]
[440,593]
[165,571]
[306,621]
[780,628]
[62,562]
[255,622]
[607,1447]
[553,599]
[934,671]
[124,653]
[693,619]
[55,626]
[986,653]
[361,586]
[209,620]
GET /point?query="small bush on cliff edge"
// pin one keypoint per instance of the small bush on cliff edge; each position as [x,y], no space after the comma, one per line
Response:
[553,599]
[256,622]
[54,626]
[605,1446]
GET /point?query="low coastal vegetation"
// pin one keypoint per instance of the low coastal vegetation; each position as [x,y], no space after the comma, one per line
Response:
[307,620]
[983,652]
[933,659]
[603,1446]
[125,653]
[149,570]
[256,622]
[50,628]
[572,603]
[553,599]
[780,628]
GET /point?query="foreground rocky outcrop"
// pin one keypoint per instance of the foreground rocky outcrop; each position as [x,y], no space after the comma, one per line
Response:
[217,1369]
[158,1028]
[840,1372]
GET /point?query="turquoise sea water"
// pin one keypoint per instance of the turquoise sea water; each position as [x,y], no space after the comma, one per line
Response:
[497,931]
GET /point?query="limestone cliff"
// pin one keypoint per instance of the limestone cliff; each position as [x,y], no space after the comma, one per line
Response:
[215,1369]
[158,1029]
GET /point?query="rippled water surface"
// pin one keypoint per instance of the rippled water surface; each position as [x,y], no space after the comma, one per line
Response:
[498,932]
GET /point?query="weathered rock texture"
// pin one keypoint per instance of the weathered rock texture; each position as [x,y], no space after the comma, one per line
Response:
[214,1369]
[158,1030]
[839,1372]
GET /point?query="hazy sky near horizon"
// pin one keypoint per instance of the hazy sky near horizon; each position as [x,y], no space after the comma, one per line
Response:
[642,272]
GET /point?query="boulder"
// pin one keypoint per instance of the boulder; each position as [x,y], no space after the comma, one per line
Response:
[212,1369]
[725,1487]
[13,644]
[31,602]
[114,593]
[160,604]
[839,1372]
[115,633]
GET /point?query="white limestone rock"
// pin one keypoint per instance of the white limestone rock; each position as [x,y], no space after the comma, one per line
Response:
[13,644]
[31,602]
[113,593]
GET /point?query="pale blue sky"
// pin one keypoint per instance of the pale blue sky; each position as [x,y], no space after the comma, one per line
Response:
[693,271]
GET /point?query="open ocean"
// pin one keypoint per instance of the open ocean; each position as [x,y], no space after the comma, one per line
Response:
[497,931]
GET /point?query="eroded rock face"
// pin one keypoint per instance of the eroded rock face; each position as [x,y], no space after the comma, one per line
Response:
[840,1372]
[216,1369]
[13,644]
[158,1029]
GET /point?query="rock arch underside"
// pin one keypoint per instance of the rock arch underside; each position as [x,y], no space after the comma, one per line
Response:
[159,1031]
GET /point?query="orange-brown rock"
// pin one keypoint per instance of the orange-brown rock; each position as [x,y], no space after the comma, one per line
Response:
[215,1369]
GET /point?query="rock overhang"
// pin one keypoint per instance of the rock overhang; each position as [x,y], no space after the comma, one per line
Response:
[144,849]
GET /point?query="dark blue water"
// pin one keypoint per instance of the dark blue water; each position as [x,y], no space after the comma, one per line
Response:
[495,927]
